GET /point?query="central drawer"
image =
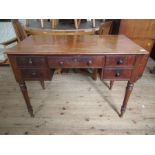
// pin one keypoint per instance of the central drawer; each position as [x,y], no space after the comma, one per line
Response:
[75,61]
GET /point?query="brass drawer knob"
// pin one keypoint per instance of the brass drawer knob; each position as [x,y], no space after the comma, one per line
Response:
[90,62]
[120,61]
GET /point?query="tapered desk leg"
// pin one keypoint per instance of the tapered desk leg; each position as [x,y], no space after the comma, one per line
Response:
[94,74]
[76,23]
[26,97]
[111,84]
[42,23]
[42,84]
[127,95]
[94,24]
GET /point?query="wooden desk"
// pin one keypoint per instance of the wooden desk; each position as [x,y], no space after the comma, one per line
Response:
[117,57]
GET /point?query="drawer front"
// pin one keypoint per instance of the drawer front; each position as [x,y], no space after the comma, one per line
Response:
[117,74]
[35,74]
[120,60]
[30,61]
[76,62]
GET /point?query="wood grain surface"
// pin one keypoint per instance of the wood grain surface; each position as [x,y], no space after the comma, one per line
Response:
[69,45]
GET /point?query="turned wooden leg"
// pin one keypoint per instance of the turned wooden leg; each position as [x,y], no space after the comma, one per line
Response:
[79,21]
[76,23]
[126,98]
[42,23]
[111,84]
[27,22]
[94,24]
[26,97]
[94,74]
[42,84]
[53,23]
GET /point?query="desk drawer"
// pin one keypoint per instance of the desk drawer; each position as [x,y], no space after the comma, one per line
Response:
[120,60]
[76,62]
[34,74]
[30,61]
[117,74]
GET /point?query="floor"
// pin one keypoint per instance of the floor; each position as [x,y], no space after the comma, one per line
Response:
[75,104]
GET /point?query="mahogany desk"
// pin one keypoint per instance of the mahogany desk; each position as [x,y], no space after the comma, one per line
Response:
[117,57]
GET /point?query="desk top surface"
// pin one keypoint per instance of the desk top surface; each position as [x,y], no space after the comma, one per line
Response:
[73,45]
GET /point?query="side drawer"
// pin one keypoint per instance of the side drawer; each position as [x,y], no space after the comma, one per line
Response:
[76,61]
[120,60]
[36,74]
[30,61]
[117,74]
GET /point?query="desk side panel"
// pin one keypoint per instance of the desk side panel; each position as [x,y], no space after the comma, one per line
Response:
[139,67]
[17,74]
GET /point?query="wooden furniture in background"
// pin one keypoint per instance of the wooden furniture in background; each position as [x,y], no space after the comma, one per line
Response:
[36,58]
[103,30]
[27,22]
[115,26]
[35,31]
[93,23]
[20,35]
[42,23]
[19,30]
[55,23]
[77,23]
[141,31]
[5,44]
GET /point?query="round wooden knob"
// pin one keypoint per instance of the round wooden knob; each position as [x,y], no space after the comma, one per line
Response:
[149,44]
[75,60]
[90,62]
[30,61]
[120,61]
[61,63]
[33,73]
[117,74]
